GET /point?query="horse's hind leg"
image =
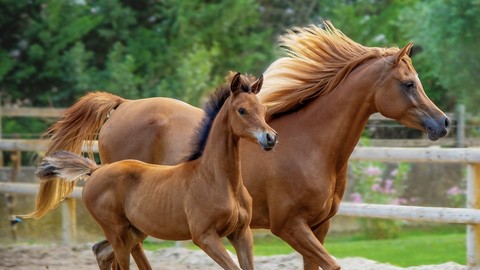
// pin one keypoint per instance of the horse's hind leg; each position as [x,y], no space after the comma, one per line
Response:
[104,254]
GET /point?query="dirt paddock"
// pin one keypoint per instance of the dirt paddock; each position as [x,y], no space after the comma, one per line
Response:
[80,257]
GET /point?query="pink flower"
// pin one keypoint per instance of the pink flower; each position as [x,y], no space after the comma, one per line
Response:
[388,189]
[356,197]
[373,171]
[455,191]
[394,172]
[398,201]
[376,187]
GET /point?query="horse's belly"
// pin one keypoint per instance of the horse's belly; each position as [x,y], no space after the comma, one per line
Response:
[165,227]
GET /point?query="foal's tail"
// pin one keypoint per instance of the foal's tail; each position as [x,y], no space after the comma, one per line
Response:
[64,167]
[81,122]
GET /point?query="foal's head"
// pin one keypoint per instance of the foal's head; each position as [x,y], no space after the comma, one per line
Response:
[247,113]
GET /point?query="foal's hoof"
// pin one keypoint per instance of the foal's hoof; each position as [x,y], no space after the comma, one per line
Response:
[104,254]
[99,246]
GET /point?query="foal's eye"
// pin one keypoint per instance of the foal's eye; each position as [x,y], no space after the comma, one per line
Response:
[242,111]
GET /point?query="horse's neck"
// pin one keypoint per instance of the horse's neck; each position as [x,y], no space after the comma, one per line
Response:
[339,118]
[221,158]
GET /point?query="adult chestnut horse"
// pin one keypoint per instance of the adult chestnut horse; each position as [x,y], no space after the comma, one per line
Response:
[320,97]
[203,199]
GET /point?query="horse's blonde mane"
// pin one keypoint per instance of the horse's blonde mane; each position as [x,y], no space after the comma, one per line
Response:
[317,61]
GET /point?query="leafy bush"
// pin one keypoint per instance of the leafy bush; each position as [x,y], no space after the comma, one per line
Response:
[379,183]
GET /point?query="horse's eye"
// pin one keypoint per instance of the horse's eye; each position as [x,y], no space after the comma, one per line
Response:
[410,85]
[242,111]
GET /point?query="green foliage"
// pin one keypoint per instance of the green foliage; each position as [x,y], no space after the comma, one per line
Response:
[447,33]
[134,49]
[372,23]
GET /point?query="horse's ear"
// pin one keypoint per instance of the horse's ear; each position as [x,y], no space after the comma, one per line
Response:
[410,49]
[407,50]
[236,84]
[257,85]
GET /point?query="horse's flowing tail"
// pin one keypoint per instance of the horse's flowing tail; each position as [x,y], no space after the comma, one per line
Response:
[81,122]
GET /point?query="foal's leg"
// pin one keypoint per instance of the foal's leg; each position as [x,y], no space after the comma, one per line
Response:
[298,235]
[106,258]
[140,258]
[137,250]
[210,242]
[242,241]
[122,241]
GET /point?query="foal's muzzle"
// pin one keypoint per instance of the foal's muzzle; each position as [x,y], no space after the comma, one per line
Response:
[268,140]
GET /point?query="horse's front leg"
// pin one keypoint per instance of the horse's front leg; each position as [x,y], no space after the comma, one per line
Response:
[211,243]
[320,232]
[299,236]
[242,241]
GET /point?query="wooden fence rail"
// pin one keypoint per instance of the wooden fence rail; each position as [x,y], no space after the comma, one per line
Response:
[469,215]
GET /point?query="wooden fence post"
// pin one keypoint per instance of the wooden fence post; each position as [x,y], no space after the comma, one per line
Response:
[69,221]
[460,127]
[1,132]
[473,230]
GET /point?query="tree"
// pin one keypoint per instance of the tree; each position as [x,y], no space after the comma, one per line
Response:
[55,51]
[447,32]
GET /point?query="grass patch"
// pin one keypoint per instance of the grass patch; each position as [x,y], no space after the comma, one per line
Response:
[417,246]
[410,249]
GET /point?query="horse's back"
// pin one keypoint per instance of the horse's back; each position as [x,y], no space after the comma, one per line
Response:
[140,129]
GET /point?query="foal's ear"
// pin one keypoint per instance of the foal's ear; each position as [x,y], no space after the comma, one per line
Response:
[257,85]
[236,84]
[407,50]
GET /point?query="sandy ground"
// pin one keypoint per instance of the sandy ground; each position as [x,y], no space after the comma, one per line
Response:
[80,257]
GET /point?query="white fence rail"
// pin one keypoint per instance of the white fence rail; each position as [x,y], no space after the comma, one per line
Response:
[469,215]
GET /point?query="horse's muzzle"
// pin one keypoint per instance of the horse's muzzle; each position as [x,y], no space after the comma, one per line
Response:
[437,128]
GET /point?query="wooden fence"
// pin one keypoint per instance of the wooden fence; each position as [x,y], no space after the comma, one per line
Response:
[469,215]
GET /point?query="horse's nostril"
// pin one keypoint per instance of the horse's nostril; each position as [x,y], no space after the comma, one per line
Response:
[447,122]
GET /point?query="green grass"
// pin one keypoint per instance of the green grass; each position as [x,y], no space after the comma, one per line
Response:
[418,246]
[413,247]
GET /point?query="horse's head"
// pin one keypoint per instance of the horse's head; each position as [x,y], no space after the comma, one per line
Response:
[400,96]
[247,113]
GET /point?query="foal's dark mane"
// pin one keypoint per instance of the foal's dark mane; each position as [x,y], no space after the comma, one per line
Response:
[212,108]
